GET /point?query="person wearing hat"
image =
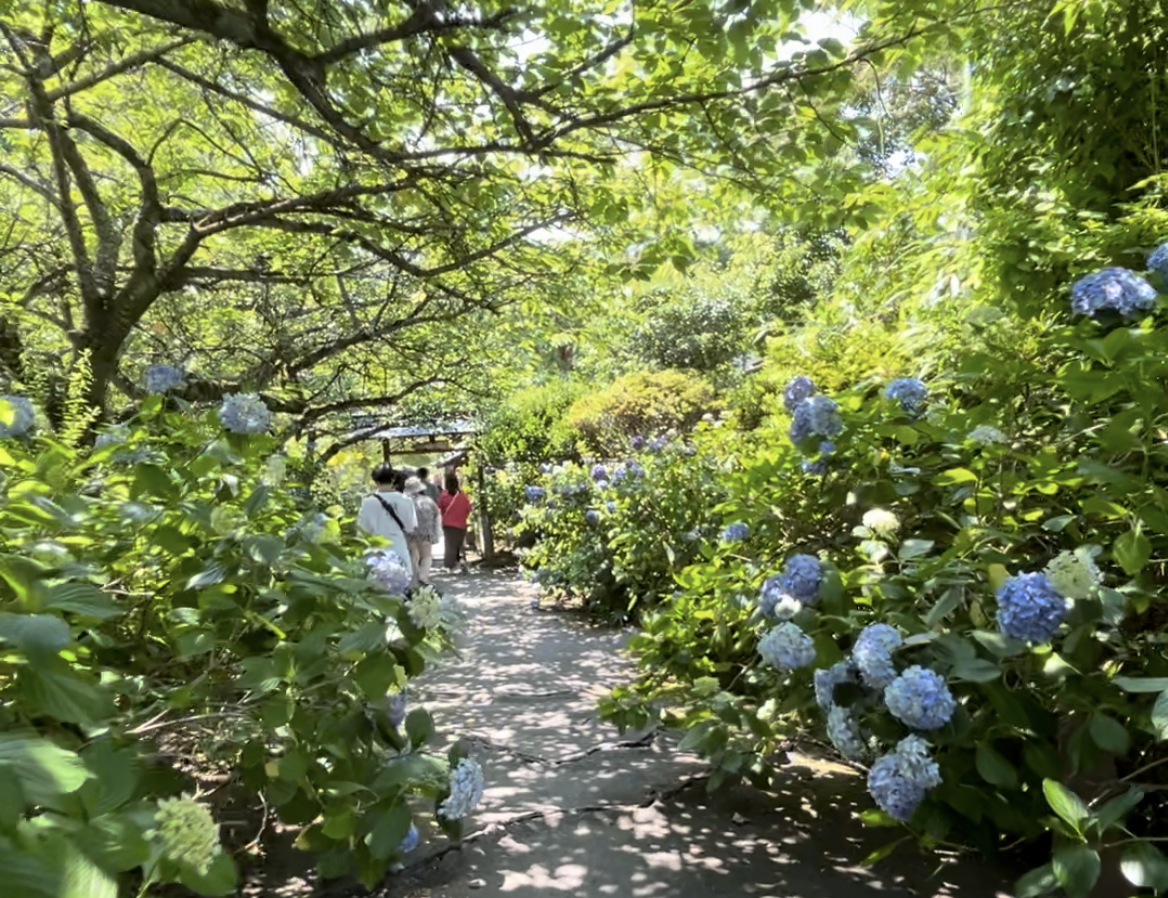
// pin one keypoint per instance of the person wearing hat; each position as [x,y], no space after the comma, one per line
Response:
[428,531]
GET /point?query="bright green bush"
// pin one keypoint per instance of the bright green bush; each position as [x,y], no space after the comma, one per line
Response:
[643,403]
[168,587]
[530,427]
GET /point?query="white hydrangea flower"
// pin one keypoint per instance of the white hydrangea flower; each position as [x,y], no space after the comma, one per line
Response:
[985,433]
[881,521]
[188,832]
[1074,575]
[466,790]
[425,608]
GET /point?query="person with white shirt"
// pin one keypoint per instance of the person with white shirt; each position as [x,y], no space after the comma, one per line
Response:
[389,514]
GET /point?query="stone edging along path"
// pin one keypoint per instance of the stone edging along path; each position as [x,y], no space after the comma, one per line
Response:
[573,808]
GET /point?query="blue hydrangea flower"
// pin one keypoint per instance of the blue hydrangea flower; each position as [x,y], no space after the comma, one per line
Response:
[786,647]
[827,678]
[909,392]
[466,790]
[592,516]
[1112,288]
[546,467]
[163,379]
[611,506]
[800,388]
[599,472]
[114,435]
[244,413]
[736,533]
[534,493]
[410,842]
[920,698]
[23,416]
[657,444]
[1158,260]
[900,780]
[873,654]
[817,416]
[389,572]
[638,443]
[395,708]
[635,469]
[619,473]
[1030,608]
[844,732]
[801,577]
[819,466]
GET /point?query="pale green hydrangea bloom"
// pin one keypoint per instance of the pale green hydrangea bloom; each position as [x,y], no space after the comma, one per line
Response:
[1074,575]
[188,832]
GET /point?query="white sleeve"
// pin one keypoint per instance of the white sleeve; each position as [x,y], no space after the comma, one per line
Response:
[410,518]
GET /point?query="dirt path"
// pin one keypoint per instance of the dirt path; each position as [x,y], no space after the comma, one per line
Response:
[572,808]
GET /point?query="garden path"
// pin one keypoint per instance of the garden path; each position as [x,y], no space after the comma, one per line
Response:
[573,808]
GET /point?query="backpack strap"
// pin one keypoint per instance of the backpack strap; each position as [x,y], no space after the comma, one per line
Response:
[392,513]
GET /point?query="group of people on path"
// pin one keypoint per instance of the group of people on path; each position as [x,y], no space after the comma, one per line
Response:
[412,514]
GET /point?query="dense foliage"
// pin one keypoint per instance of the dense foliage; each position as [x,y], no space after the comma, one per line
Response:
[165,598]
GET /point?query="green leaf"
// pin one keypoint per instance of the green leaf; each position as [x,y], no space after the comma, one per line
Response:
[154,481]
[115,777]
[976,670]
[1132,550]
[256,501]
[877,817]
[62,694]
[1141,684]
[374,674]
[1065,803]
[914,548]
[1160,716]
[34,633]
[389,829]
[994,768]
[293,766]
[46,771]
[218,880]
[1109,734]
[948,602]
[1119,807]
[1076,867]
[24,576]
[1145,867]
[419,726]
[1038,882]
[954,477]
[882,852]
[82,598]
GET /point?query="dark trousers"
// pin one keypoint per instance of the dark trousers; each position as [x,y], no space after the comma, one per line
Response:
[454,538]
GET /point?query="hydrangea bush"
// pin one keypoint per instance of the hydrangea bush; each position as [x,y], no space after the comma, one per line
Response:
[985,630]
[140,595]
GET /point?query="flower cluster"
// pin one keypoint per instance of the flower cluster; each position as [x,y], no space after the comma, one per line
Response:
[114,435]
[389,572]
[819,466]
[920,698]
[592,516]
[637,442]
[786,647]
[534,493]
[736,533]
[188,832]
[411,840]
[23,414]
[986,433]
[1030,608]
[1119,289]
[909,392]
[244,413]
[784,595]
[827,678]
[425,608]
[817,416]
[873,654]
[395,708]
[163,378]
[881,522]
[1158,260]
[657,444]
[1074,575]
[599,472]
[466,790]
[844,733]
[799,389]
[900,780]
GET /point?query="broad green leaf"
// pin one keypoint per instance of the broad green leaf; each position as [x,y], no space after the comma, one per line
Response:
[949,601]
[419,726]
[1065,803]
[217,881]
[882,852]
[994,768]
[46,770]
[1038,882]
[34,633]
[1145,867]
[81,598]
[63,694]
[1109,734]
[1117,808]
[1141,684]
[1132,550]
[976,670]
[389,829]
[1076,867]
[1160,716]
[914,548]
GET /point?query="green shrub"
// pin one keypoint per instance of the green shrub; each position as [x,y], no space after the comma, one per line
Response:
[168,587]
[642,403]
[530,426]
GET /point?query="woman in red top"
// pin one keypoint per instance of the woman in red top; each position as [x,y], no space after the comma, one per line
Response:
[455,508]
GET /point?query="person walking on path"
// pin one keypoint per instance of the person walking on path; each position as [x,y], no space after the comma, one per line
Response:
[432,489]
[389,514]
[428,531]
[455,507]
